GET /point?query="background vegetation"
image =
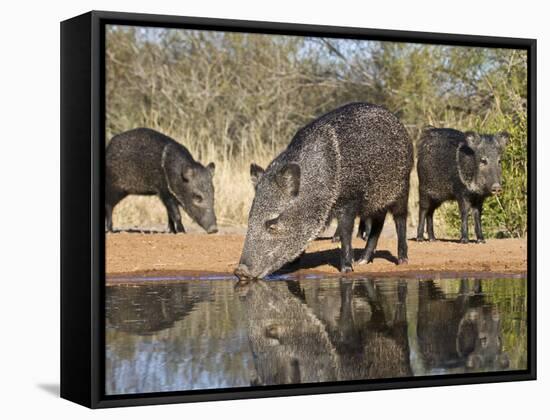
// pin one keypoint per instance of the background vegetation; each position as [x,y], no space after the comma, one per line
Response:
[239,98]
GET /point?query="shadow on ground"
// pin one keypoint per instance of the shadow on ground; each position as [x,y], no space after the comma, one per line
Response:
[330,257]
[52,389]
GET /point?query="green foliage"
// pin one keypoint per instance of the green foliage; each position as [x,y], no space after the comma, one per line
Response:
[510,298]
[504,215]
[236,98]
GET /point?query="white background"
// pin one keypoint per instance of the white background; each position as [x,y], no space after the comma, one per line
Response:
[29,210]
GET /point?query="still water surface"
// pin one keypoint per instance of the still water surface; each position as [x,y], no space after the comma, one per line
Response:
[202,334]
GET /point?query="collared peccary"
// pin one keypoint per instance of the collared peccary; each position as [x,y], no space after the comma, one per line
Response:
[453,165]
[353,161]
[145,162]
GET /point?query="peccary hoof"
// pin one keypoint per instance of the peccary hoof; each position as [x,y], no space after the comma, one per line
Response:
[364,260]
[177,228]
[336,238]
[419,239]
[432,239]
[366,257]
[346,269]
[402,261]
[480,241]
[464,240]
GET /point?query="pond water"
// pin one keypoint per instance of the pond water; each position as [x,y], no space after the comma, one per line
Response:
[218,333]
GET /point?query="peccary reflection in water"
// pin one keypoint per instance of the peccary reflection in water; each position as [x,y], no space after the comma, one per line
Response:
[371,343]
[289,344]
[146,309]
[297,339]
[461,331]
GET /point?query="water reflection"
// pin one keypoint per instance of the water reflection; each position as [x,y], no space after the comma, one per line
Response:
[459,331]
[217,334]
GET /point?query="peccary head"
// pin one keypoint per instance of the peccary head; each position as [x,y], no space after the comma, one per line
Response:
[199,197]
[478,162]
[191,183]
[479,339]
[277,231]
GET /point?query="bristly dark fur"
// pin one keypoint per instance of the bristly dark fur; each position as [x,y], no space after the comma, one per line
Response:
[145,162]
[353,161]
[453,165]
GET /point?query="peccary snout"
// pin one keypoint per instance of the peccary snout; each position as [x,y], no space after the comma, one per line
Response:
[496,188]
[212,229]
[242,272]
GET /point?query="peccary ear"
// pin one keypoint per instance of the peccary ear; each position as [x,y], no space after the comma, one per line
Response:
[466,164]
[188,173]
[256,173]
[501,139]
[211,167]
[288,178]
[472,139]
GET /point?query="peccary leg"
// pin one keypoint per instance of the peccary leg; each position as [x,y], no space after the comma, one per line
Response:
[464,207]
[108,217]
[112,198]
[401,227]
[421,223]
[174,216]
[377,223]
[476,213]
[365,225]
[336,236]
[430,222]
[345,226]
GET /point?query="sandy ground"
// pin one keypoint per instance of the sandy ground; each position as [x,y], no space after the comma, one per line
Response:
[154,254]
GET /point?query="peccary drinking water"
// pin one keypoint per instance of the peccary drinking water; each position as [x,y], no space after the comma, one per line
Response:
[145,162]
[353,161]
[457,166]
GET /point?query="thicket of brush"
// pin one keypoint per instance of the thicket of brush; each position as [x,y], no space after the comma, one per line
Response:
[238,98]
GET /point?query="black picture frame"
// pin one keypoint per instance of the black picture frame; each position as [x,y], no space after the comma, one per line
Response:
[82,210]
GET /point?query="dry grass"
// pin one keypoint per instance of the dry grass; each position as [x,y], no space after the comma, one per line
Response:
[193,86]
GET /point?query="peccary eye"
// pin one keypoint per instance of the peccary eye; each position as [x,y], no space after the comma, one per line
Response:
[272,225]
[483,161]
[197,198]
